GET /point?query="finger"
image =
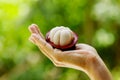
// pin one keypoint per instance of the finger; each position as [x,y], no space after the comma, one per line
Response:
[41,45]
[33,28]
[45,47]
[39,41]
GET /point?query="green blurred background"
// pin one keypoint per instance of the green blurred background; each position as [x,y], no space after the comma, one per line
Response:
[97,22]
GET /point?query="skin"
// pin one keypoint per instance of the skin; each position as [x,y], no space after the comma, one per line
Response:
[84,57]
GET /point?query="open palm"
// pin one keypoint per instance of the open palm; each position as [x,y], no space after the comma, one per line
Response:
[83,58]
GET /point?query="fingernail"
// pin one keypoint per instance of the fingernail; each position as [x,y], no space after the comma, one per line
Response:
[33,24]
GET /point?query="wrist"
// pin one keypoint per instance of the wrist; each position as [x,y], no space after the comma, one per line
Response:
[98,70]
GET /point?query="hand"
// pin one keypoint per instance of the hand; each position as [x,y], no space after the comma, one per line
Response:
[84,57]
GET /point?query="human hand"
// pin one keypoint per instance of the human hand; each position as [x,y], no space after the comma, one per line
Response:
[84,57]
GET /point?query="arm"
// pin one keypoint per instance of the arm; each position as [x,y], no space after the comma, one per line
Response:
[99,71]
[84,57]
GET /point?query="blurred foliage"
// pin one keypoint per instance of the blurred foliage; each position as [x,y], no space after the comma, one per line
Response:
[96,22]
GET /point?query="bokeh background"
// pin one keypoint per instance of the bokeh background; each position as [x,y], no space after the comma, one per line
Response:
[97,22]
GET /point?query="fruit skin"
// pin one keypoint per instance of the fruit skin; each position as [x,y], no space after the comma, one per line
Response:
[70,46]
